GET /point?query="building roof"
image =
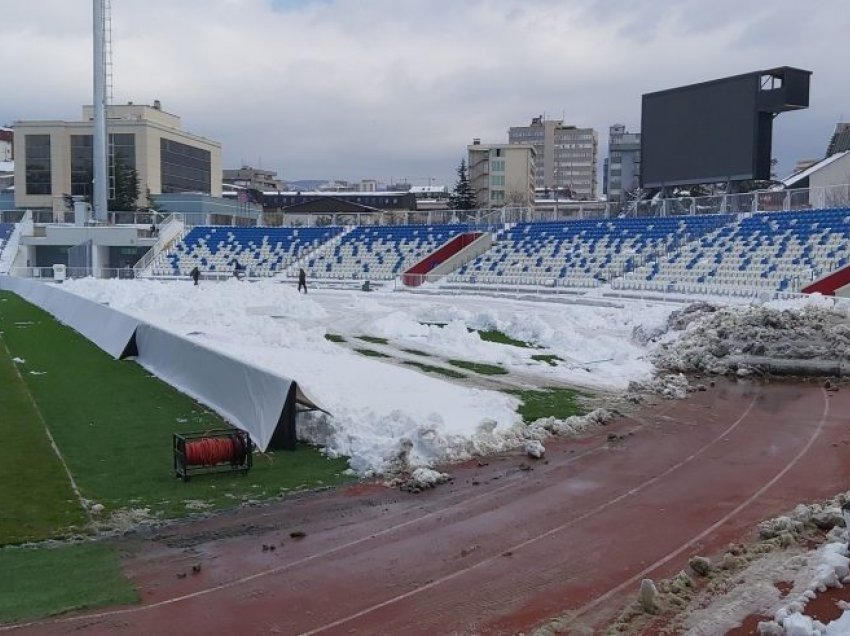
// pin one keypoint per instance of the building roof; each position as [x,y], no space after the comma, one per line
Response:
[840,141]
[428,189]
[796,179]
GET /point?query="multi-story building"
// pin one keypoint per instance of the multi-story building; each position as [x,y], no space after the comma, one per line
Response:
[55,158]
[6,144]
[254,179]
[566,156]
[623,164]
[502,174]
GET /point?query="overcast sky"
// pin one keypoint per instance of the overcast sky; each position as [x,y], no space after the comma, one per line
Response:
[396,89]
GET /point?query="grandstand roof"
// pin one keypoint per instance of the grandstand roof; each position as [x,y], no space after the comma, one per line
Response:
[798,178]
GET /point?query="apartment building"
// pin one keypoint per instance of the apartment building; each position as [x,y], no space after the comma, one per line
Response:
[566,156]
[623,164]
[502,174]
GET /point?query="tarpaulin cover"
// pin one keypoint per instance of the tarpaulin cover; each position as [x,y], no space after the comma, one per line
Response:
[249,398]
[108,328]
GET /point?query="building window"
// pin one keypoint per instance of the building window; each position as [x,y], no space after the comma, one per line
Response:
[37,152]
[184,168]
[122,149]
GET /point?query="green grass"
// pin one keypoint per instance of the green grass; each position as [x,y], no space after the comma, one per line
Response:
[113,423]
[47,581]
[333,337]
[373,339]
[493,335]
[479,367]
[450,373]
[550,402]
[417,352]
[549,358]
[36,495]
[372,353]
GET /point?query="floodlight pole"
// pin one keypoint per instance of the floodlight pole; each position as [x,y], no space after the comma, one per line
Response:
[99,185]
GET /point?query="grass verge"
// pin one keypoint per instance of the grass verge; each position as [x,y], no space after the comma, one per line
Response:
[549,402]
[479,367]
[113,423]
[333,337]
[47,581]
[372,353]
[450,373]
[549,358]
[417,352]
[493,335]
[38,501]
[373,339]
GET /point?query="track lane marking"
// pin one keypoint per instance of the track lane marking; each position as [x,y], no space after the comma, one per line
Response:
[619,588]
[535,539]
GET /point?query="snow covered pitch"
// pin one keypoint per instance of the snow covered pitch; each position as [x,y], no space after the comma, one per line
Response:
[381,405]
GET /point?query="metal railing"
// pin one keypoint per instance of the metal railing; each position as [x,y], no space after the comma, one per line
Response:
[170,232]
[46,273]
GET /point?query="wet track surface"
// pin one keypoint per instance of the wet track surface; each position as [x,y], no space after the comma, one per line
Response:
[510,543]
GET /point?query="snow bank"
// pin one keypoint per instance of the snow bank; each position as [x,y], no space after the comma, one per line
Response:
[781,556]
[705,338]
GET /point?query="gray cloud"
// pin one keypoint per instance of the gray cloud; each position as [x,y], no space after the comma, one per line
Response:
[397,88]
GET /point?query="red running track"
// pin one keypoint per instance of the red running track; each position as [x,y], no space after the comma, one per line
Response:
[500,550]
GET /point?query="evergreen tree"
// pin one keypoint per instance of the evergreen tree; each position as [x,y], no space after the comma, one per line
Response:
[125,195]
[462,198]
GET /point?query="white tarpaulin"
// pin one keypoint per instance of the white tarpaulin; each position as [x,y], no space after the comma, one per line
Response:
[248,397]
[108,328]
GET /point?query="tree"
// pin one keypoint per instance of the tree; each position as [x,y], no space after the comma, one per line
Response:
[150,204]
[125,194]
[462,197]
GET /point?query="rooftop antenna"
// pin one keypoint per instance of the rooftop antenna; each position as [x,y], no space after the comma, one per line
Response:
[99,185]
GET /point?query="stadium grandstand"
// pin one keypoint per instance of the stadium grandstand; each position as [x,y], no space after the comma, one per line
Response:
[745,254]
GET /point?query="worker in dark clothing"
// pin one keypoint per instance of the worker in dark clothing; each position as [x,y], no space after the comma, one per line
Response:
[195,274]
[302,280]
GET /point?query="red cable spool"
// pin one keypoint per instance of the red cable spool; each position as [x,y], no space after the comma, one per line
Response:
[215,449]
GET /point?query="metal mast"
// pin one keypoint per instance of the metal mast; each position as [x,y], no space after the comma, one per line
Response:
[100,183]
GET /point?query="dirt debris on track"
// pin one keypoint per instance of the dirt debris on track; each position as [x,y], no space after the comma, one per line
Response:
[509,542]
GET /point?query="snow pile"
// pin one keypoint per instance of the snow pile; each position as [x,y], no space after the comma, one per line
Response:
[534,448]
[672,386]
[570,427]
[828,567]
[710,336]
[420,479]
[748,575]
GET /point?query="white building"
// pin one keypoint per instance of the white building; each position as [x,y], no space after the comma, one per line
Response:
[502,174]
[55,158]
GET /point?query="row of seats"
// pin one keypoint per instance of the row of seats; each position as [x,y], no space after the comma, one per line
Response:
[585,252]
[781,251]
[738,255]
[379,252]
[261,251]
